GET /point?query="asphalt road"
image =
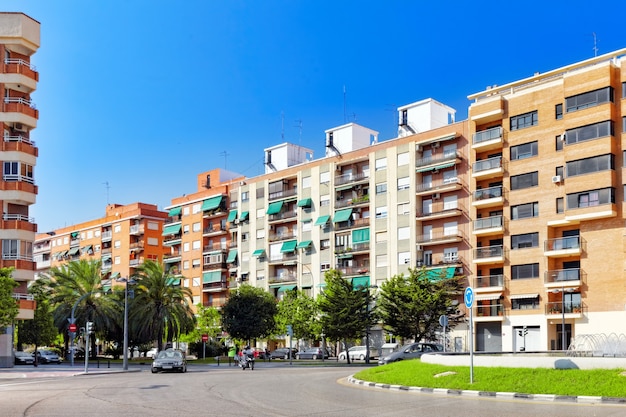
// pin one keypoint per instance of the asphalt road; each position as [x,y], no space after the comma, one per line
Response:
[272,389]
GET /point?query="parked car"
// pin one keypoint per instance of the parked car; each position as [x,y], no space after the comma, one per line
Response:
[169,360]
[152,353]
[312,353]
[23,358]
[47,356]
[283,353]
[259,353]
[356,352]
[410,351]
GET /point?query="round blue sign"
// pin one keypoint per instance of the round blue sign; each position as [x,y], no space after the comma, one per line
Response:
[469,297]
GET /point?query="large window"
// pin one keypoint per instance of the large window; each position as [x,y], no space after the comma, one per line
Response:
[589,132]
[524,120]
[589,99]
[589,165]
[525,271]
[381,188]
[524,211]
[526,240]
[590,198]
[526,303]
[523,151]
[404,183]
[522,181]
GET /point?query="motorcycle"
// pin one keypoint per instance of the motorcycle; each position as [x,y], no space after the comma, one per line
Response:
[246,361]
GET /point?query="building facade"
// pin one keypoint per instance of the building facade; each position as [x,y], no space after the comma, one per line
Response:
[19,40]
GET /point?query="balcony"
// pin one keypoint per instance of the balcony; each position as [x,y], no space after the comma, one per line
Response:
[563,247]
[559,309]
[493,225]
[276,237]
[486,140]
[26,304]
[355,270]
[351,178]
[106,235]
[19,222]
[439,186]
[488,168]
[134,263]
[489,312]
[19,144]
[440,211]
[214,286]
[136,229]
[283,257]
[283,278]
[489,254]
[216,229]
[488,197]
[172,240]
[136,246]
[219,246]
[172,258]
[19,72]
[285,215]
[353,202]
[23,109]
[489,283]
[356,248]
[437,163]
[285,193]
[563,278]
[440,238]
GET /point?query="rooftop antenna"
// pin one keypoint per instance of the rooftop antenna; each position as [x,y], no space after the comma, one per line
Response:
[282,126]
[299,126]
[345,117]
[106,185]
[225,155]
[595,44]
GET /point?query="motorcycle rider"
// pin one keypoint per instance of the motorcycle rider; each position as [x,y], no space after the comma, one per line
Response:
[245,354]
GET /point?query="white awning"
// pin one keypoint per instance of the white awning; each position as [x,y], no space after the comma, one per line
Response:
[518,296]
[485,297]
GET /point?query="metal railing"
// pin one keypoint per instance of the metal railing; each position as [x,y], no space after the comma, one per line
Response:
[18,217]
[487,164]
[562,243]
[490,310]
[488,222]
[490,281]
[486,193]
[487,135]
[562,275]
[19,138]
[347,178]
[20,61]
[452,156]
[489,252]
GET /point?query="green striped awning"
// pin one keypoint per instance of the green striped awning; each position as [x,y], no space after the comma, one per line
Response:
[115,275]
[289,246]
[73,251]
[305,244]
[305,202]
[244,215]
[211,203]
[211,277]
[342,215]
[437,274]
[358,282]
[360,235]
[322,220]
[86,249]
[172,229]
[258,252]
[175,211]
[232,216]
[173,282]
[286,288]
[448,165]
[274,208]
[74,235]
[232,255]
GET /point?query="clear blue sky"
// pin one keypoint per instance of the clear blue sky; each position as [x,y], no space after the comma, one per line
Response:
[144,95]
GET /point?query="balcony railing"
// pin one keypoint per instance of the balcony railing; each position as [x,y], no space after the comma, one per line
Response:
[281,236]
[107,235]
[365,199]
[558,307]
[283,257]
[486,193]
[216,228]
[488,223]
[562,275]
[348,178]
[451,183]
[356,247]
[496,251]
[442,209]
[487,135]
[354,270]
[136,229]
[452,156]
[487,164]
[352,223]
[282,194]
[282,216]
[290,277]
[22,296]
[490,281]
[441,236]
[490,310]
[563,243]
[19,139]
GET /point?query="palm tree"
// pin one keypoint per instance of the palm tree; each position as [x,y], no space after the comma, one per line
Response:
[159,310]
[81,280]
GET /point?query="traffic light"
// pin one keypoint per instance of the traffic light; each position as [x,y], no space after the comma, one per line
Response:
[523,331]
[89,327]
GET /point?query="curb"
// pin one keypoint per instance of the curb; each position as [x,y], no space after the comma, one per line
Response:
[580,399]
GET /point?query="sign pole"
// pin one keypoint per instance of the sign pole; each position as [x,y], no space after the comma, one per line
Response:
[468,296]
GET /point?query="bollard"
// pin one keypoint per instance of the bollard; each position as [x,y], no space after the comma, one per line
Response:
[98,363]
[217,358]
[108,363]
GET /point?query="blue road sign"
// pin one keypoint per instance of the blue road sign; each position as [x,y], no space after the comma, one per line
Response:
[469,297]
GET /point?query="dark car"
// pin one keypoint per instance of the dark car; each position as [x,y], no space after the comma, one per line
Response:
[312,353]
[410,351]
[23,358]
[283,353]
[169,360]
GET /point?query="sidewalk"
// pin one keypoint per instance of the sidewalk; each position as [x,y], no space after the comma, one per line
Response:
[64,370]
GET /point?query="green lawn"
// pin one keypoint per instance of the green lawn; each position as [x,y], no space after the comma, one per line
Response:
[600,382]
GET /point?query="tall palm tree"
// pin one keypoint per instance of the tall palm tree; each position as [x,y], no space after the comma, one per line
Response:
[159,309]
[81,280]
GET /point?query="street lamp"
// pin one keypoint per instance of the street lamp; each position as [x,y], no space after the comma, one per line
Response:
[563,333]
[367,329]
[126,281]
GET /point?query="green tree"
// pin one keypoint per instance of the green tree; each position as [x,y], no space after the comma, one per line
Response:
[346,313]
[80,283]
[159,310]
[302,312]
[249,313]
[410,306]
[208,321]
[40,330]
[8,305]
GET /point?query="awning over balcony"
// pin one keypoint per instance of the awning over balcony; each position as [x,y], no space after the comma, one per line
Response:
[274,208]
[244,215]
[211,277]
[115,275]
[322,220]
[342,215]
[305,202]
[487,297]
[232,216]
[173,282]
[289,246]
[175,211]
[86,249]
[258,252]
[286,288]
[232,255]
[172,229]
[358,282]
[437,274]
[521,296]
[360,235]
[212,203]
[304,245]
[73,251]
[74,235]
[435,167]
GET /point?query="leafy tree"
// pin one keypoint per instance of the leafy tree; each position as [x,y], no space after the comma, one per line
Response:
[40,330]
[208,321]
[346,311]
[159,311]
[8,306]
[410,306]
[301,312]
[249,313]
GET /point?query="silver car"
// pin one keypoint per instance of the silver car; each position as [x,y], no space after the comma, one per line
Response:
[410,351]
[169,360]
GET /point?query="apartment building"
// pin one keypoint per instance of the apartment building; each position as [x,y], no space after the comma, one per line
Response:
[547,183]
[19,40]
[122,240]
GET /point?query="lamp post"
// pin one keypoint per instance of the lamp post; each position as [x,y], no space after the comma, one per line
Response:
[126,281]
[367,329]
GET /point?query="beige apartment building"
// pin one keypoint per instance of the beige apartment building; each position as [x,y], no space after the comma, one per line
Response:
[19,40]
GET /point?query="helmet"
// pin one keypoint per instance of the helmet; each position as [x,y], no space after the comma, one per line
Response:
[248,347]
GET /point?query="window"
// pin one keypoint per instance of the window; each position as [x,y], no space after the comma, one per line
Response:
[196,227]
[381,212]
[306,225]
[403,159]
[260,213]
[186,247]
[381,237]
[559,205]
[524,151]
[590,198]
[186,211]
[404,258]
[195,282]
[324,177]
[589,132]
[380,164]
[195,263]
[450,229]
[18,171]
[117,244]
[450,202]
[589,165]
[525,303]
[524,120]
[519,182]
[381,261]
[403,183]
[525,271]
[449,176]
[450,255]
[589,99]
[558,111]
[381,188]
[324,244]
[558,142]
[117,228]
[196,244]
[525,211]
[449,150]
[153,241]
[196,208]
[185,229]
[185,265]
[117,260]
[526,240]
[151,226]
[404,233]
[404,209]
[260,234]
[306,182]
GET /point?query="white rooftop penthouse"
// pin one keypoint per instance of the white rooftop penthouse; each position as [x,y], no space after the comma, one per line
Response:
[422,116]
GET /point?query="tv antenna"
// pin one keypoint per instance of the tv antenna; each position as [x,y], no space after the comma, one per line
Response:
[595,44]
[106,185]
[345,116]
[225,155]
[299,126]
[282,126]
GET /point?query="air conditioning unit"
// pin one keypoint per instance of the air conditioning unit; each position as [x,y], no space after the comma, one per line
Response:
[19,127]
[435,145]
[556,179]
[436,196]
[242,183]
[237,221]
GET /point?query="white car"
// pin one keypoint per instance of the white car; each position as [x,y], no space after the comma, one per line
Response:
[356,352]
[152,353]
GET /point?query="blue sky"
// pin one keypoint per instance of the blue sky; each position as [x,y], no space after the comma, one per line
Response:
[144,95]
